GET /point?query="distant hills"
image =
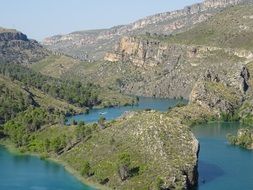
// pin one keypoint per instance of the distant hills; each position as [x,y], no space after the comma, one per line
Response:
[17,50]
[92,45]
[15,47]
[210,63]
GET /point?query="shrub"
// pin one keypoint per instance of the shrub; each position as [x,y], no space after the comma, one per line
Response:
[229,116]
[159,183]
[101,122]
[180,104]
[124,166]
[74,122]
[85,169]
[124,159]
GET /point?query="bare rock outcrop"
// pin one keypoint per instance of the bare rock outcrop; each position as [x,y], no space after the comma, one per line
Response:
[90,45]
[221,93]
[15,47]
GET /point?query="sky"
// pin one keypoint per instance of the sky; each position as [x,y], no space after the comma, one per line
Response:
[43,18]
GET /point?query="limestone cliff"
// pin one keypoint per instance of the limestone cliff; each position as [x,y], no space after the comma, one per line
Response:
[206,64]
[219,93]
[92,45]
[15,47]
[171,70]
[213,54]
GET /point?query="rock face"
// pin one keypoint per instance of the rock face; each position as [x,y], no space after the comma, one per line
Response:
[15,47]
[220,92]
[7,36]
[171,70]
[90,45]
[146,53]
[158,147]
[169,66]
[206,64]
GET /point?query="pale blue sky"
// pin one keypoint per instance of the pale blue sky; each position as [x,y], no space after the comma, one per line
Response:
[42,18]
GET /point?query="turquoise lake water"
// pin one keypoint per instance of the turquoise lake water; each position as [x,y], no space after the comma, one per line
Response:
[113,113]
[21,172]
[221,166]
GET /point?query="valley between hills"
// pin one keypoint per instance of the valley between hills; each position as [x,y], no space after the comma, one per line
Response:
[203,53]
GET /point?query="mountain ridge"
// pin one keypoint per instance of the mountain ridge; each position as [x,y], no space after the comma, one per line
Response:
[92,46]
[15,47]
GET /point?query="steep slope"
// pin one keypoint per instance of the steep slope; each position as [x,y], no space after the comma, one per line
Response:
[139,150]
[15,47]
[55,65]
[15,97]
[92,45]
[142,150]
[162,69]
[233,28]
[162,66]
[159,152]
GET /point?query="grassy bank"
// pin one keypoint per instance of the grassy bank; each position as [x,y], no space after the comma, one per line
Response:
[16,151]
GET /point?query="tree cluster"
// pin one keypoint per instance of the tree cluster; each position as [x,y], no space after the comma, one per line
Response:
[77,93]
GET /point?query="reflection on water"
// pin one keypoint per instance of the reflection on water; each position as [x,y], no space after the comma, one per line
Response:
[222,166]
[20,172]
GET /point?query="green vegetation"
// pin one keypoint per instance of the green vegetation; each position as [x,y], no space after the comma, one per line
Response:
[244,138]
[230,117]
[128,153]
[247,119]
[124,162]
[69,69]
[193,114]
[159,183]
[55,65]
[73,92]
[39,131]
[20,128]
[83,131]
[12,102]
[181,104]
[85,169]
[227,93]
[231,28]
[15,97]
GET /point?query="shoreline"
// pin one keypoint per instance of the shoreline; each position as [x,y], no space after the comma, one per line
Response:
[11,149]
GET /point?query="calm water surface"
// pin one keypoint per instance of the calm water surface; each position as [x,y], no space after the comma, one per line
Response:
[112,113]
[21,172]
[221,166]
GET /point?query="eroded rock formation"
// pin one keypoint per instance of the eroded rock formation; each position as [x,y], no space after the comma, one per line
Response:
[15,47]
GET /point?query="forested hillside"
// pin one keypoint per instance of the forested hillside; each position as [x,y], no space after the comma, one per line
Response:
[73,92]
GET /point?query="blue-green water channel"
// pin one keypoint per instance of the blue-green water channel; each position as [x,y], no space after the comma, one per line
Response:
[221,166]
[22,172]
[114,112]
